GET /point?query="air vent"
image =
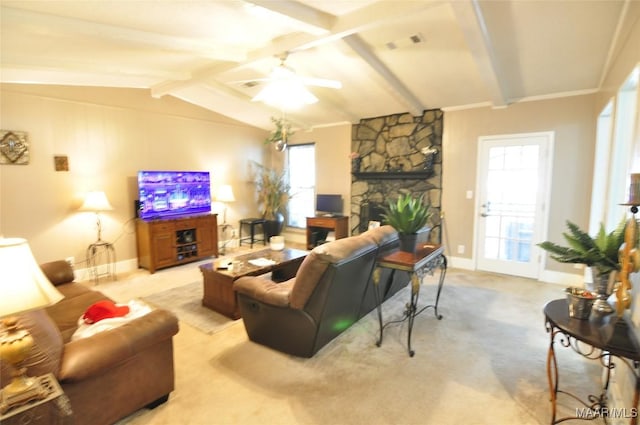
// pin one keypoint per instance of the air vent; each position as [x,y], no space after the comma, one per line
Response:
[405,41]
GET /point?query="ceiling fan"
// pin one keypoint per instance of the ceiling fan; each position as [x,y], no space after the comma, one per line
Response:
[286,89]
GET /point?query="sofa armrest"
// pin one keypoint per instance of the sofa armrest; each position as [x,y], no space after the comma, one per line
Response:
[89,356]
[265,290]
[58,272]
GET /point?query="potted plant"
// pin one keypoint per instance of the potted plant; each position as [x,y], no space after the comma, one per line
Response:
[273,192]
[409,216]
[599,252]
[280,135]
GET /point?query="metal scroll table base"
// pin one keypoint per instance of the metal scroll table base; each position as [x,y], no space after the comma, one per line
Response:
[419,267]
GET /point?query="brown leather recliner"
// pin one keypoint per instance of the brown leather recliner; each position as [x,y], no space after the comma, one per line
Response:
[106,376]
[329,293]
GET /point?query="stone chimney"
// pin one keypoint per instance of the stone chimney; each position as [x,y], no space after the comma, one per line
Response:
[397,154]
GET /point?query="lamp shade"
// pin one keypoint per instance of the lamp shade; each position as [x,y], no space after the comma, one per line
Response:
[285,91]
[96,201]
[23,285]
[225,194]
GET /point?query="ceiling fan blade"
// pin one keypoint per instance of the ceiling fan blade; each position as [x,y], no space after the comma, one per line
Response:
[321,82]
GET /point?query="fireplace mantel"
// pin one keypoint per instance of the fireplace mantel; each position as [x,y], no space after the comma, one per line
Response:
[393,175]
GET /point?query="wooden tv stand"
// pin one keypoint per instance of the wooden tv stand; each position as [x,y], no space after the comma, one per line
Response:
[169,242]
[318,227]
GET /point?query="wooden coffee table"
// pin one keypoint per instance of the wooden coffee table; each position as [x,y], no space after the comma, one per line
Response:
[218,282]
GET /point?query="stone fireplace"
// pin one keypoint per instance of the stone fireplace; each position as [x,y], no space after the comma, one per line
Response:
[396,154]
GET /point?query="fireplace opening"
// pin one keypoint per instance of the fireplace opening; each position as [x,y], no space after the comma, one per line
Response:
[370,211]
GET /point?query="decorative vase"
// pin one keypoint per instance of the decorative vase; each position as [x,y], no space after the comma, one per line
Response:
[602,285]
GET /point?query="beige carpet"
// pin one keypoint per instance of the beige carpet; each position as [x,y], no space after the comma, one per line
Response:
[186,303]
[483,363]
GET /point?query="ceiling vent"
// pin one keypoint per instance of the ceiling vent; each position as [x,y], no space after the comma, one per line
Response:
[405,42]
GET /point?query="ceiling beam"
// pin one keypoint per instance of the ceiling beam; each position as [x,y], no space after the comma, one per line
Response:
[398,89]
[376,14]
[299,12]
[473,25]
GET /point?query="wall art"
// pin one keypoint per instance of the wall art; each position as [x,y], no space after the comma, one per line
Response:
[14,147]
[61,162]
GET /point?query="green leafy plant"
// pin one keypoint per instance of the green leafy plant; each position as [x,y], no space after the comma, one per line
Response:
[273,190]
[600,252]
[281,133]
[407,214]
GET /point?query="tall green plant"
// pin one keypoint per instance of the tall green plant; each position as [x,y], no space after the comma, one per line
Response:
[600,252]
[407,214]
[273,190]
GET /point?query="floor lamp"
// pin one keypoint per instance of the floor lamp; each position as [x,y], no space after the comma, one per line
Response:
[225,195]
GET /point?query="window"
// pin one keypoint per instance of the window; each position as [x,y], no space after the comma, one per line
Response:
[301,163]
[615,157]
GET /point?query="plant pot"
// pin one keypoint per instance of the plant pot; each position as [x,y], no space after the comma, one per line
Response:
[273,227]
[602,285]
[411,242]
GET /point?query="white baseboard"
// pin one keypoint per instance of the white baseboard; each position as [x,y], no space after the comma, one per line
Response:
[566,279]
[123,266]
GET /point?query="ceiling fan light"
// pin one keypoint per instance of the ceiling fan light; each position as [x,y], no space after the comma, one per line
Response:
[285,94]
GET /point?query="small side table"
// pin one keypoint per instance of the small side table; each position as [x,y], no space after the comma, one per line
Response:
[423,262]
[53,409]
[605,339]
[101,253]
[252,223]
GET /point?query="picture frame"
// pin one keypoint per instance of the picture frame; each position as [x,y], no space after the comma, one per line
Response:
[14,147]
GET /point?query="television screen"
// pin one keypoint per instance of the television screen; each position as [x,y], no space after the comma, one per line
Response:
[173,193]
[329,204]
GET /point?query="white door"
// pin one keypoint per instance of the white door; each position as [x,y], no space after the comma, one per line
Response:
[513,188]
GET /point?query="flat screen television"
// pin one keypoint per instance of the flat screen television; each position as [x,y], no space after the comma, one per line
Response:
[328,204]
[165,194]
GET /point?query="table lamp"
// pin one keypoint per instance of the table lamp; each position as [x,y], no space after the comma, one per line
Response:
[24,287]
[225,194]
[96,201]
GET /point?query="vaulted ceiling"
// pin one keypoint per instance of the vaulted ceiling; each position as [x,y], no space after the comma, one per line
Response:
[391,56]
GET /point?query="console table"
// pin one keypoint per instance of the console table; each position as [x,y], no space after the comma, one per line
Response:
[604,338]
[423,262]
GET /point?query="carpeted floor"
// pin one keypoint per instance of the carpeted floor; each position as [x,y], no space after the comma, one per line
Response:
[186,302]
[483,363]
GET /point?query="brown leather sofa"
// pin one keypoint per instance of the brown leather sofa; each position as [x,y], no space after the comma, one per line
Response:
[332,290]
[106,376]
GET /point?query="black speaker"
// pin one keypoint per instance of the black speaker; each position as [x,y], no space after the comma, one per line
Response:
[136,208]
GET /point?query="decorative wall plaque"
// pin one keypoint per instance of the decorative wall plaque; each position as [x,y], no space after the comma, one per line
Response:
[14,147]
[61,162]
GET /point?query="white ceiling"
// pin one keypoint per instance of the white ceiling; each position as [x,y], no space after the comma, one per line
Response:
[473,52]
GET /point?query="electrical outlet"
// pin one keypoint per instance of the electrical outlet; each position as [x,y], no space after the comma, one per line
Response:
[460,249]
[70,260]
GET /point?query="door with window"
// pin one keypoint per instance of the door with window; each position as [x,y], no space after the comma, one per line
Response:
[513,187]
